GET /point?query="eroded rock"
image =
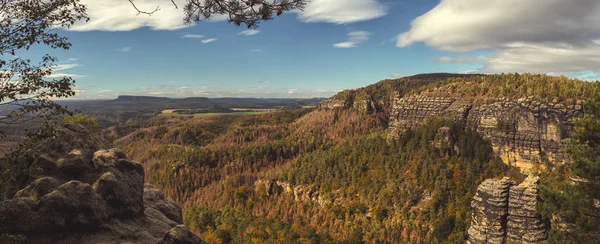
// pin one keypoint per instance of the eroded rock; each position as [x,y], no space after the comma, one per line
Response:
[525,224]
[505,213]
[180,235]
[523,132]
[78,196]
[490,212]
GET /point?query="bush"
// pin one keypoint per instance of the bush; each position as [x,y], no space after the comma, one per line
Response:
[81,119]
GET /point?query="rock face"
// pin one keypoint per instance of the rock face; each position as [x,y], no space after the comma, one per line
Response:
[332,103]
[523,132]
[524,222]
[505,213]
[302,193]
[490,210]
[84,197]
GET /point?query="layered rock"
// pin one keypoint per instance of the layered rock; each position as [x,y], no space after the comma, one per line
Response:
[302,193]
[525,224]
[332,103]
[505,213]
[490,211]
[85,197]
[523,132]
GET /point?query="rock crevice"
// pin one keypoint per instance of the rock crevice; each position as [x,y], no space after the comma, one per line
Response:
[505,213]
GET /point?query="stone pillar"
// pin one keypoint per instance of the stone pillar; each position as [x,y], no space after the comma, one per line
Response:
[524,222]
[490,211]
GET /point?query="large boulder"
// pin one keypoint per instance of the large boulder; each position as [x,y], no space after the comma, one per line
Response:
[180,235]
[72,194]
[155,199]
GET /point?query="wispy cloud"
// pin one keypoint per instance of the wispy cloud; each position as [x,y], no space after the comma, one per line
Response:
[63,67]
[354,38]
[249,32]
[60,67]
[60,75]
[125,49]
[460,59]
[334,11]
[196,36]
[255,50]
[209,40]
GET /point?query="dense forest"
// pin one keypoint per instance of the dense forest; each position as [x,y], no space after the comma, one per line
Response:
[317,175]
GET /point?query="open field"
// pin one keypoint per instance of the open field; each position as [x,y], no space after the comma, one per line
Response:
[212,114]
[254,109]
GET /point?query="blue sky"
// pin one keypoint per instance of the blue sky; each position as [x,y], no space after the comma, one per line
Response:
[332,46]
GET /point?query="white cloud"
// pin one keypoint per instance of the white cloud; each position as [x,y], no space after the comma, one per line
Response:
[249,32]
[540,36]
[342,12]
[125,49]
[545,58]
[292,91]
[193,36]
[61,75]
[60,67]
[354,38]
[209,40]
[63,67]
[460,59]
[119,15]
[345,45]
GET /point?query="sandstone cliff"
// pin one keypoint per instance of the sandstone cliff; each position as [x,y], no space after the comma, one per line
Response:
[505,213]
[76,191]
[524,132]
[525,129]
[301,193]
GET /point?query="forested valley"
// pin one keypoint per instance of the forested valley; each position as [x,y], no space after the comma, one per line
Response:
[319,175]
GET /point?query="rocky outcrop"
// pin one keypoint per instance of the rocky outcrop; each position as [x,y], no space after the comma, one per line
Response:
[524,223]
[503,212]
[84,197]
[332,103]
[523,132]
[490,211]
[302,193]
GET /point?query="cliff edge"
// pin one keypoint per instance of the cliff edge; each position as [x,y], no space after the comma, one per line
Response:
[72,189]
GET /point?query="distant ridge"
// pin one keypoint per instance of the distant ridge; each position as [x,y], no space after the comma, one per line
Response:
[129,98]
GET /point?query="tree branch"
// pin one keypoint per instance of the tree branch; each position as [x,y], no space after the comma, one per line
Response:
[145,12]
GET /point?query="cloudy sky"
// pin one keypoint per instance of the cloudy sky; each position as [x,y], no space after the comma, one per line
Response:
[331,46]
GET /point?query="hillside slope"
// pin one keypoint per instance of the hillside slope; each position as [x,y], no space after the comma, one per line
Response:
[398,161]
[526,117]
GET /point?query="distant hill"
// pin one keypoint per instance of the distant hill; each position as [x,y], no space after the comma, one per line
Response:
[126,107]
[140,99]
